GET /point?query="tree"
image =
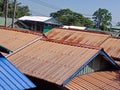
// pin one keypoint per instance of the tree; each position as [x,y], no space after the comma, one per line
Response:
[68,17]
[20,10]
[102,18]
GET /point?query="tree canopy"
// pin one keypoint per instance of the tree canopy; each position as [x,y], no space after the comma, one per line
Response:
[102,18]
[68,17]
[20,10]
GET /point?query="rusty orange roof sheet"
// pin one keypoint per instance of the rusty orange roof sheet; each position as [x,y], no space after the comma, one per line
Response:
[50,61]
[73,36]
[104,80]
[112,47]
[13,38]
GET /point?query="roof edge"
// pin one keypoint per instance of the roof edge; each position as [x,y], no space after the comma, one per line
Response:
[20,30]
[90,31]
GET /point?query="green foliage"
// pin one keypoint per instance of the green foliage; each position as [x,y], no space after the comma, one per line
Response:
[68,17]
[102,18]
[20,10]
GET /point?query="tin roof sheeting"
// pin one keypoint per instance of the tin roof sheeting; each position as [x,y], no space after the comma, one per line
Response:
[35,18]
[51,61]
[74,36]
[112,47]
[107,80]
[14,39]
[11,78]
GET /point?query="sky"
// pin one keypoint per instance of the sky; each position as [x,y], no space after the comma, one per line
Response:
[85,7]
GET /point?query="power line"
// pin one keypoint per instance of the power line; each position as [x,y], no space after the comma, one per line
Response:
[45,4]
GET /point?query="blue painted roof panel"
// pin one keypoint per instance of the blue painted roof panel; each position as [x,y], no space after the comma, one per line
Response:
[11,78]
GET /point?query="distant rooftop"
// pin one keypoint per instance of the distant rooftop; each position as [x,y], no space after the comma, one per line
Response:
[49,20]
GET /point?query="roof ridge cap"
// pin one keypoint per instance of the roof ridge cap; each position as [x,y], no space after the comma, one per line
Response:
[72,44]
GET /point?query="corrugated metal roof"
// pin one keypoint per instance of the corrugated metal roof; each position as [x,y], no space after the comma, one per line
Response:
[112,47]
[104,80]
[11,78]
[73,36]
[13,38]
[54,62]
[51,61]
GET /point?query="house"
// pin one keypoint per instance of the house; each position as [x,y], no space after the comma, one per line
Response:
[58,66]
[10,77]
[37,23]
[54,60]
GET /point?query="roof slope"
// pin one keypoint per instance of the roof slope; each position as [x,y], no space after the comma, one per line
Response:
[14,39]
[51,61]
[11,78]
[112,47]
[74,36]
[107,80]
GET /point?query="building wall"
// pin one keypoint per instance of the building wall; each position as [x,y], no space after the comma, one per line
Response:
[97,64]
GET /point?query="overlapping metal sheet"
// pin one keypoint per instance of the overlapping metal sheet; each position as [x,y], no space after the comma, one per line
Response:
[104,80]
[11,78]
[51,61]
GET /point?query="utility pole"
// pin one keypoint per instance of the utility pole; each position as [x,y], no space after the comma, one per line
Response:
[6,11]
[13,18]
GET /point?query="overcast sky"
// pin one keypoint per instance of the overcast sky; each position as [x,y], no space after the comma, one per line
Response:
[85,7]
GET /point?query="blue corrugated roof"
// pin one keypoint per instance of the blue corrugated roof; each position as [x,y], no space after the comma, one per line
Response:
[11,78]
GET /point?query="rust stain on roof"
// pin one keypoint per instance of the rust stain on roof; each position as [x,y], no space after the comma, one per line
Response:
[95,40]
[84,37]
[104,80]
[51,61]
